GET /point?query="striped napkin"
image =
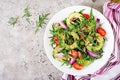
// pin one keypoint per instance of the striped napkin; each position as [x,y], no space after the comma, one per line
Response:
[112,12]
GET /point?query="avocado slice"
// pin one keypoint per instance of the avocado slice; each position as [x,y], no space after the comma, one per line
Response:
[74,44]
[72,17]
[90,45]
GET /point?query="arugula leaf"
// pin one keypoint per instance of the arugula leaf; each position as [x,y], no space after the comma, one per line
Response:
[41,21]
[64,21]
[100,56]
[52,31]
[13,20]
[27,14]
[52,42]
[91,13]
[81,11]
[67,63]
[64,51]
[53,56]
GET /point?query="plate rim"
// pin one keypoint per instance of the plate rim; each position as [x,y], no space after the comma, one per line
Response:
[49,23]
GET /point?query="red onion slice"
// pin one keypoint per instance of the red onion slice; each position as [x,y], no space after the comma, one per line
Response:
[72,61]
[92,54]
[98,21]
[63,25]
[59,55]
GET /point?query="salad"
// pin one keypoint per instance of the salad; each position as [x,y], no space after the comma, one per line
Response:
[78,40]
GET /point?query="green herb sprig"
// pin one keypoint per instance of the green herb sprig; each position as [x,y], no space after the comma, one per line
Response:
[13,20]
[41,21]
[27,14]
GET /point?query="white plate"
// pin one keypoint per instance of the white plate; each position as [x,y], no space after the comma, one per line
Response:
[97,64]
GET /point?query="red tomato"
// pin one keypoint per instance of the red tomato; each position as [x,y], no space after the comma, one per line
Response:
[55,38]
[86,16]
[77,66]
[74,53]
[101,31]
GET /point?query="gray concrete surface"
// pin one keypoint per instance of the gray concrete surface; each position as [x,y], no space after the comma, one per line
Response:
[22,56]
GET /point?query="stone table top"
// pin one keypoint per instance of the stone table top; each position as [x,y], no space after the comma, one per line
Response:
[22,56]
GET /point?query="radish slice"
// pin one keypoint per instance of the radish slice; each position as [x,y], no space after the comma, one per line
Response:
[72,61]
[92,54]
[63,25]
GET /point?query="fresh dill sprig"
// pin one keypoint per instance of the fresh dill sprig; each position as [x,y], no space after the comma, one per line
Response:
[27,14]
[41,21]
[13,20]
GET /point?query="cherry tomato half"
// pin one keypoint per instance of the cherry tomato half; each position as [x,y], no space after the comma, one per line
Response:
[74,53]
[77,66]
[55,38]
[101,31]
[86,16]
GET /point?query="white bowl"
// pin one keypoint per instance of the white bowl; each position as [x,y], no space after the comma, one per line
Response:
[97,64]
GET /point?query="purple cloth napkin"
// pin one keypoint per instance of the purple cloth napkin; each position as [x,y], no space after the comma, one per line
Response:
[112,12]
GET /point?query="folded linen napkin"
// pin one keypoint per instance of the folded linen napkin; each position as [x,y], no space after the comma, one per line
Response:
[112,12]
